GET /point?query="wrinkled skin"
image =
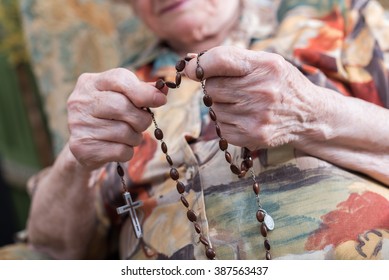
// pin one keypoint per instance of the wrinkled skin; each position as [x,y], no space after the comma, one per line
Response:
[259,98]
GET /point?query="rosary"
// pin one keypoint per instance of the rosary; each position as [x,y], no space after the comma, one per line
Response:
[265,220]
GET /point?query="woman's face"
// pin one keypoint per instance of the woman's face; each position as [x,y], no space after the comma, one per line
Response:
[187,21]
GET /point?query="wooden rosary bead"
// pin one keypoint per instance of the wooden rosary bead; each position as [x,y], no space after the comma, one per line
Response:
[212,115]
[174,174]
[228,157]
[178,79]
[164,147]
[169,160]
[210,253]
[170,84]
[199,72]
[203,240]
[235,169]
[191,216]
[260,216]
[159,84]
[180,65]
[249,162]
[120,170]
[263,230]
[242,173]
[267,245]
[158,133]
[207,99]
[197,228]
[245,153]
[180,187]
[268,256]
[184,201]
[223,144]
[243,166]
[256,188]
[218,131]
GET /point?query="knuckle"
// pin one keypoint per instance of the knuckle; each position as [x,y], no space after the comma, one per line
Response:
[277,64]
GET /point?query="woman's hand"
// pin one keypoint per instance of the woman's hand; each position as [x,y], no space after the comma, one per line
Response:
[105,116]
[260,99]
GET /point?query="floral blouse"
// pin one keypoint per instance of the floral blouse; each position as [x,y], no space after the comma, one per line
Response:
[321,211]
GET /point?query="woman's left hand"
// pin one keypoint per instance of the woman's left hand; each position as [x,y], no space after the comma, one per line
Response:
[261,101]
[259,98]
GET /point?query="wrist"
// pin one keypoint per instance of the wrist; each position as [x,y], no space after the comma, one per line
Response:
[68,165]
[320,120]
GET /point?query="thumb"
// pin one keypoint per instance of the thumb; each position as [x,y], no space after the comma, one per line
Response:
[221,61]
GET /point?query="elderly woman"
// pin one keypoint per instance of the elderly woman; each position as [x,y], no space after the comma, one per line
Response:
[301,85]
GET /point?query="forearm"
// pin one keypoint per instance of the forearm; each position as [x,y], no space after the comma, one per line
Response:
[349,132]
[62,216]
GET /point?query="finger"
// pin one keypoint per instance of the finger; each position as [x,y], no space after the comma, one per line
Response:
[221,61]
[121,80]
[106,131]
[95,153]
[164,89]
[115,106]
[227,61]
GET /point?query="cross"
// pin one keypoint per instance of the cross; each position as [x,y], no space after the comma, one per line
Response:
[130,207]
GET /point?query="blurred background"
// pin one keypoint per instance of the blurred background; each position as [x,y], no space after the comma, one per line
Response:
[44,46]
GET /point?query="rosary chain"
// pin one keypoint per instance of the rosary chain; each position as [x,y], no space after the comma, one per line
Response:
[246,165]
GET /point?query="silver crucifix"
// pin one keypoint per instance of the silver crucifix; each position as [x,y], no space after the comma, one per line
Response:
[130,207]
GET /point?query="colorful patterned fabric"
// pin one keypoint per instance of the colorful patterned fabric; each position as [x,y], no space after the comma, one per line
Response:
[68,39]
[321,211]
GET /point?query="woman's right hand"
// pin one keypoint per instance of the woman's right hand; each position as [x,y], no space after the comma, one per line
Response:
[105,116]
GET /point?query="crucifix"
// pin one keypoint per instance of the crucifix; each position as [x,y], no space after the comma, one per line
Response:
[130,207]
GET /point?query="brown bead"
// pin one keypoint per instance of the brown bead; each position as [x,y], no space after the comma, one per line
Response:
[235,169]
[158,133]
[266,243]
[184,201]
[256,188]
[210,253]
[120,171]
[191,216]
[197,228]
[243,166]
[223,144]
[178,79]
[169,160]
[263,230]
[199,72]
[228,157]
[268,256]
[242,173]
[174,174]
[159,84]
[212,115]
[180,65]
[164,147]
[203,240]
[248,162]
[180,187]
[260,216]
[207,99]
[170,84]
[245,152]
[218,131]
